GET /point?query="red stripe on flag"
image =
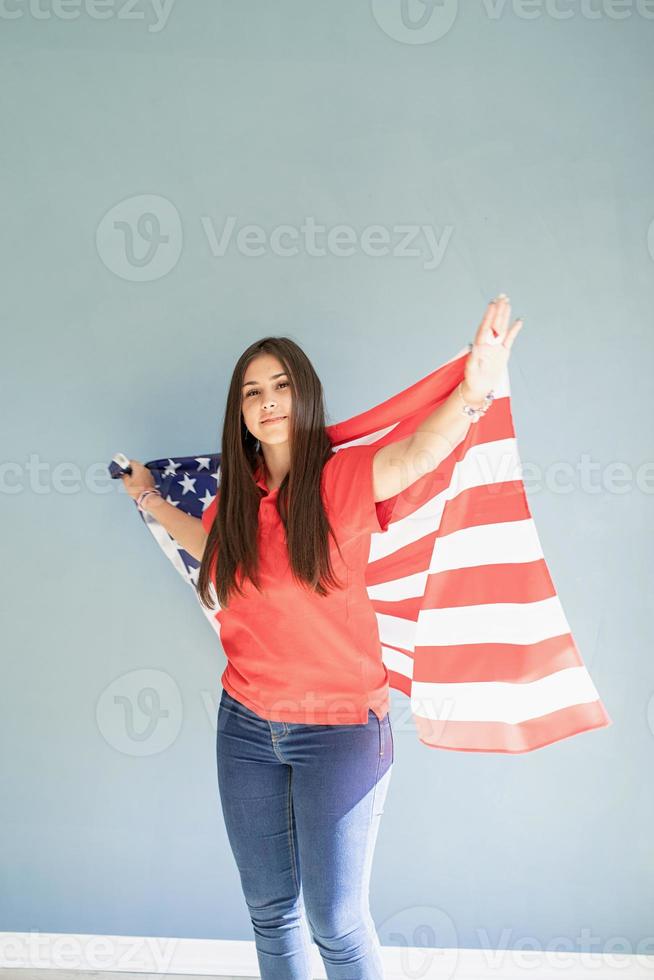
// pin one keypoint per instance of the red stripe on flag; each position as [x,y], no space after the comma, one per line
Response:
[517,663]
[482,736]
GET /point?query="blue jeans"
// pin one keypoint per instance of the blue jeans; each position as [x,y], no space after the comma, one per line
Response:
[302,807]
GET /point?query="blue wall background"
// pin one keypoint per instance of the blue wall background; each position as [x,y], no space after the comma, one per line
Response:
[523,144]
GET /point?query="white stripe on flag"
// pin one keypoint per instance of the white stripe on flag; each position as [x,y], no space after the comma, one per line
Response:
[502,701]
[400,662]
[507,542]
[407,587]
[493,622]
[397,631]
[424,520]
[486,464]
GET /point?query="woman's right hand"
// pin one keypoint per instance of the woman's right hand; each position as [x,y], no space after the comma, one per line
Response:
[138,480]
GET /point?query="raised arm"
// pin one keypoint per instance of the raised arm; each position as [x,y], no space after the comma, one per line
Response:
[186,529]
[399,464]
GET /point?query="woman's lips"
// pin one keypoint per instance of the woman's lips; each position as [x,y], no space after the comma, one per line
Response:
[272,421]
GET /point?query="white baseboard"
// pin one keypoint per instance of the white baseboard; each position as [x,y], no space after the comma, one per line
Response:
[226,958]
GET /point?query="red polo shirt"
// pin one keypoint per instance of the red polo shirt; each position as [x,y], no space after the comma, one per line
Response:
[293,655]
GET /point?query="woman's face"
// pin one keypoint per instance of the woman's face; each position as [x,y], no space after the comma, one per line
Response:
[266,393]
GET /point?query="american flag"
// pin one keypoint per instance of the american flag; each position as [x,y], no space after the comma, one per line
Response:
[471,627]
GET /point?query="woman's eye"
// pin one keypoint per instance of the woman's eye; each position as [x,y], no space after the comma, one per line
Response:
[255,391]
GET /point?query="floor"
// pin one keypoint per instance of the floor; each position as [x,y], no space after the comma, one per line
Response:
[27,973]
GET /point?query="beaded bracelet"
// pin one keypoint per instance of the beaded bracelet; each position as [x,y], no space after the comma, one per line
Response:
[142,495]
[475,414]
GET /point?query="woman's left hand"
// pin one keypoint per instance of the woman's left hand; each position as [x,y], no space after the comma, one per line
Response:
[491,348]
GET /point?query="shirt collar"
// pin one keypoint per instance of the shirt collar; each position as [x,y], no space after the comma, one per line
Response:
[260,478]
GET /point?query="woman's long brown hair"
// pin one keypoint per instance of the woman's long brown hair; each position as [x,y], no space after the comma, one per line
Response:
[233,535]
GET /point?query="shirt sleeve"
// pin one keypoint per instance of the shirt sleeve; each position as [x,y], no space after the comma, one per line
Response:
[349,490]
[208,514]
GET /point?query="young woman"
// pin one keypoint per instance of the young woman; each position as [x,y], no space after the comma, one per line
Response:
[304,740]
